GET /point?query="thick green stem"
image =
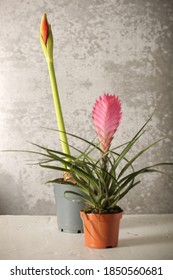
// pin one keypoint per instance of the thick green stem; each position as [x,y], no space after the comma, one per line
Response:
[57,104]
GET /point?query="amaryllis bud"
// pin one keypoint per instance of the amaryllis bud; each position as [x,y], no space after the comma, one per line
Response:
[106,116]
[46,38]
[44,28]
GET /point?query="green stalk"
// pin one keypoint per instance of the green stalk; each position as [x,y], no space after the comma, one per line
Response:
[46,41]
[58,111]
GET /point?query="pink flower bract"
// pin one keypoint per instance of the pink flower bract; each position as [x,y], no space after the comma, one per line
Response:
[106,116]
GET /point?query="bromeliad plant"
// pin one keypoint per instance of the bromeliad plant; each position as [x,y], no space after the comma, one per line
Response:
[100,177]
[104,175]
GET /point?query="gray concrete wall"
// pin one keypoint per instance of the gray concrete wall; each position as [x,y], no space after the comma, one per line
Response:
[122,47]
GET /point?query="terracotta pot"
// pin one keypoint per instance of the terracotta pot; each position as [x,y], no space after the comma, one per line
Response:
[101,231]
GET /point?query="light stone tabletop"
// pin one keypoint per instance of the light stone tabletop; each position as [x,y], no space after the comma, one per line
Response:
[37,237]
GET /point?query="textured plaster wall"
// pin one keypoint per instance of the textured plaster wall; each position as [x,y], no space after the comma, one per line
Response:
[123,47]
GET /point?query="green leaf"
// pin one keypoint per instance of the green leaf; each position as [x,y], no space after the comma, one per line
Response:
[85,199]
[127,190]
[78,137]
[131,143]
[137,156]
[54,167]
[86,226]
[59,181]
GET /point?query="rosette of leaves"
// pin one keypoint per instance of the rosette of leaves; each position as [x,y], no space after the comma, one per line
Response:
[104,179]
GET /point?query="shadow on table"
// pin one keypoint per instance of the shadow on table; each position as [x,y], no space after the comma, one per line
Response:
[146,221]
[147,231]
[145,240]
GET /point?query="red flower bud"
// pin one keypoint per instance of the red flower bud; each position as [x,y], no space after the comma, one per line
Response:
[46,38]
[44,28]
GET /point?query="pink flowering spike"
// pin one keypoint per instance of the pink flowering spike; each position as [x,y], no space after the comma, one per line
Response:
[106,116]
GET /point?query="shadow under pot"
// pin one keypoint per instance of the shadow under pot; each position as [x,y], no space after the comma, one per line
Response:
[68,209]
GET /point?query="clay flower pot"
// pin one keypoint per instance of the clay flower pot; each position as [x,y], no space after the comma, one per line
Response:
[101,230]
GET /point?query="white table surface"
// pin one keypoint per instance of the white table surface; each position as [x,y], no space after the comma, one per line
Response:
[38,237]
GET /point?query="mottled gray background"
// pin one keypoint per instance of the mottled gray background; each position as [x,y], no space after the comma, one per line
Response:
[123,47]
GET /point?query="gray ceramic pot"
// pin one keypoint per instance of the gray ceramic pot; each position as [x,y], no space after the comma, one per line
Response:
[68,211]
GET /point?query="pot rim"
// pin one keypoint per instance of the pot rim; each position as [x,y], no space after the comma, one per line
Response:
[101,217]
